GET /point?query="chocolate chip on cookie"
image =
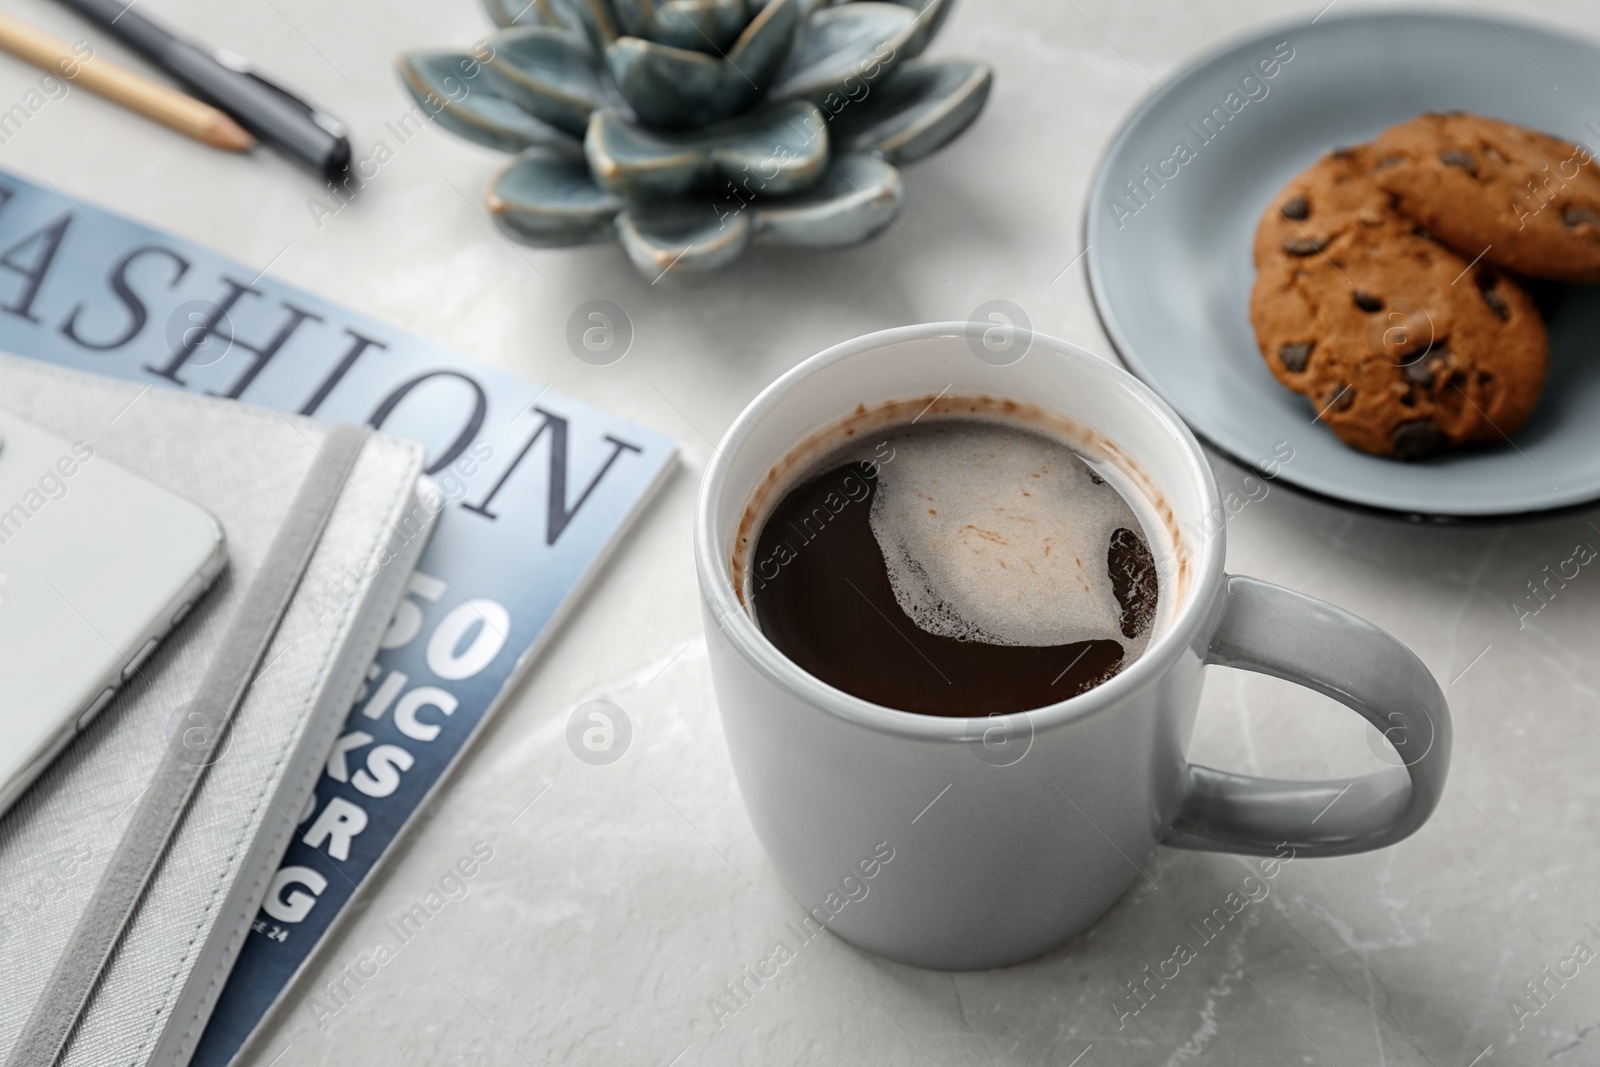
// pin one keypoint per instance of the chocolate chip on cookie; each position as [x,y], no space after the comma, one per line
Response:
[1526,201]
[1337,397]
[1575,216]
[1416,438]
[1489,288]
[1305,246]
[1294,356]
[1393,356]
[1422,367]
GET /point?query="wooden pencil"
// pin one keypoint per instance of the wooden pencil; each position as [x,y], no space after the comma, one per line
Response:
[167,106]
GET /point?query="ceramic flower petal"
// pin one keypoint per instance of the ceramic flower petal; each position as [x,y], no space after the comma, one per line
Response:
[930,20]
[680,241]
[595,18]
[551,74]
[701,25]
[632,162]
[759,52]
[523,13]
[475,105]
[682,88]
[805,7]
[586,19]
[857,196]
[676,88]
[918,109]
[839,50]
[767,153]
[549,200]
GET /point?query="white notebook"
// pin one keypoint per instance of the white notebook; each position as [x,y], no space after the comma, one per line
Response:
[244,465]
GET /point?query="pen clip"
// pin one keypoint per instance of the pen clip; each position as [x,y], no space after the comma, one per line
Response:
[240,65]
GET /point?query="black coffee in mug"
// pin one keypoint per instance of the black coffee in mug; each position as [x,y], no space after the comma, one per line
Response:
[960,563]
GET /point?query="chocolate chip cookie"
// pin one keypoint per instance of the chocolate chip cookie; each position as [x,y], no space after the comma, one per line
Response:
[1527,201]
[1401,347]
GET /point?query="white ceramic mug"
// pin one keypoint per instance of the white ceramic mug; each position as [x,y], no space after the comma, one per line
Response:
[1008,836]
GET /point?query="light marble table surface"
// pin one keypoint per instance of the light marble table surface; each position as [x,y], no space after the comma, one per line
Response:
[622,900]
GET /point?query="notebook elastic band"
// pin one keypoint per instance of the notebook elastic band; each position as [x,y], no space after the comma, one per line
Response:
[183,765]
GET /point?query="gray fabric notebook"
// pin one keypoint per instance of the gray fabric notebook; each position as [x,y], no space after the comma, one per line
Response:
[245,466]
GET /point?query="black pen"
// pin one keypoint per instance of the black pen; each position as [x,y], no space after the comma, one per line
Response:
[273,114]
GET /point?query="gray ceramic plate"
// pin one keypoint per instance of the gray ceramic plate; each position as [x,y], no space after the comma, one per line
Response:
[1171,271]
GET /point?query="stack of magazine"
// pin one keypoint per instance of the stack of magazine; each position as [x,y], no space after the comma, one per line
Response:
[533,490]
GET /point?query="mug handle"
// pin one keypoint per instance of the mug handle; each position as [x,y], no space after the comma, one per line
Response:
[1272,630]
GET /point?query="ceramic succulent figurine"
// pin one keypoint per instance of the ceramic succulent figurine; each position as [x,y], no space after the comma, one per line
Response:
[689,129]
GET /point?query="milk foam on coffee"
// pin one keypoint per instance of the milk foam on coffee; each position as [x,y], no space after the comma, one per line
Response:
[970,563]
[997,534]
